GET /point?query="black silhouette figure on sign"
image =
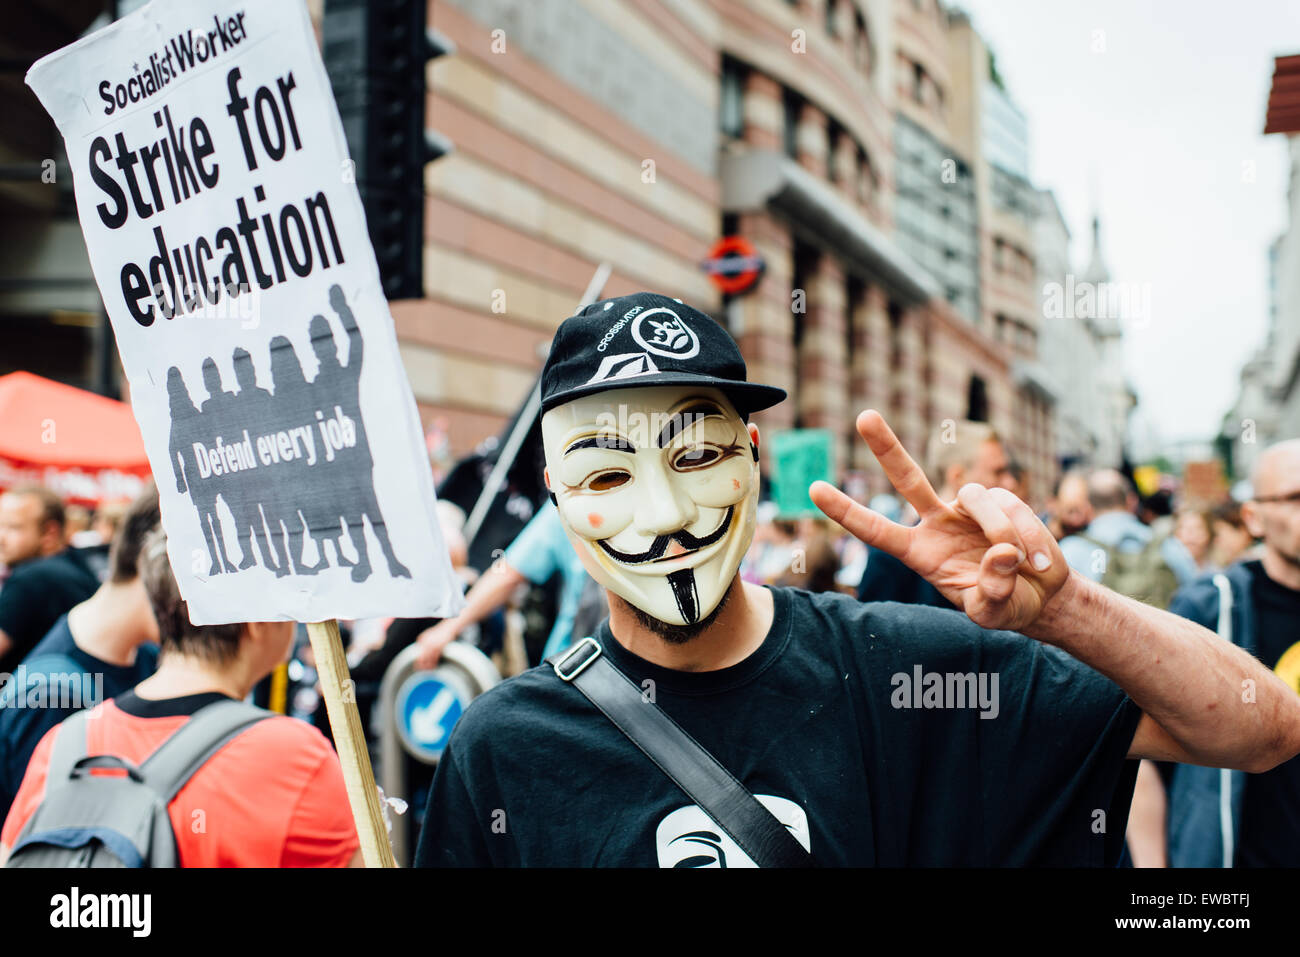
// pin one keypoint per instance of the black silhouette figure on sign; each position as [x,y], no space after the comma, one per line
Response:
[288,463]
[189,477]
[252,404]
[342,385]
[292,404]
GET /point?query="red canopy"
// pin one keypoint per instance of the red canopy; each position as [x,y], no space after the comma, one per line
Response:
[84,446]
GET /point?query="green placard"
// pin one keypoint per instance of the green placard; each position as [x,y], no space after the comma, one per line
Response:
[800,457]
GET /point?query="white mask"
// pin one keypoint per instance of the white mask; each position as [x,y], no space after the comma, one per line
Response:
[663,527]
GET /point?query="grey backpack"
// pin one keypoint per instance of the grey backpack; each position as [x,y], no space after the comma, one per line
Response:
[100,820]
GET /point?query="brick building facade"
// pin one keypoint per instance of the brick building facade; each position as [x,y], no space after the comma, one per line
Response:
[639,131]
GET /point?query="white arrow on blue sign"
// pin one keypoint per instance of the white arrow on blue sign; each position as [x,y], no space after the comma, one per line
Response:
[427,709]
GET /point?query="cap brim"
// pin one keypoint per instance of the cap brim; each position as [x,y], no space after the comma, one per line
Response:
[747,397]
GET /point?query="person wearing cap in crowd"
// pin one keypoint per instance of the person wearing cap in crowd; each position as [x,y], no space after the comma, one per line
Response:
[809,699]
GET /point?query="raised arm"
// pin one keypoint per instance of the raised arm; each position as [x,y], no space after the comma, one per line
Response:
[340,304]
[1205,701]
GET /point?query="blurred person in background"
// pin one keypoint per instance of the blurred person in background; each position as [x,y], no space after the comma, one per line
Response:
[1017,480]
[970,452]
[105,646]
[539,551]
[1222,818]
[1192,528]
[1070,511]
[46,577]
[108,516]
[814,560]
[1232,539]
[1156,511]
[772,551]
[76,526]
[1119,551]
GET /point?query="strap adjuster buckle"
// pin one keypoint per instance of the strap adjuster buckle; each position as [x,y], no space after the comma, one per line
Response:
[588,650]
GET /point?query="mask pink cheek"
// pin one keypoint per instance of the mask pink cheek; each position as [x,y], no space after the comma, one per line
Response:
[594,523]
[728,485]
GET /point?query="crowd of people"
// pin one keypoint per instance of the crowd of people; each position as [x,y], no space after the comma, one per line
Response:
[93,595]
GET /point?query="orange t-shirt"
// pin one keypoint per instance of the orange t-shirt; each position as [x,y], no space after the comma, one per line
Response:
[273,796]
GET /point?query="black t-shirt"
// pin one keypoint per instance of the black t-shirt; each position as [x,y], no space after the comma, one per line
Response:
[1270,810]
[52,668]
[36,594]
[822,724]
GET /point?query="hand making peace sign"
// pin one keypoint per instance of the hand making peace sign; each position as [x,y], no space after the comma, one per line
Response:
[986,552]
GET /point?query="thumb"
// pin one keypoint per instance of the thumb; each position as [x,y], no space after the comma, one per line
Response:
[998,572]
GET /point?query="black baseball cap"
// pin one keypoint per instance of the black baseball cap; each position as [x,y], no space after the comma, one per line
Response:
[645,339]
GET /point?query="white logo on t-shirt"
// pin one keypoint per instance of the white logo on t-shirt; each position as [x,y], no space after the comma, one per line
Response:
[690,838]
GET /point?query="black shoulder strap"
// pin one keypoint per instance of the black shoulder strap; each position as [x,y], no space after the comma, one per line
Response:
[174,762]
[706,782]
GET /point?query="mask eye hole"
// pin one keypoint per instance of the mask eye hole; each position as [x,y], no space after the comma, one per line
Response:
[698,457]
[604,481]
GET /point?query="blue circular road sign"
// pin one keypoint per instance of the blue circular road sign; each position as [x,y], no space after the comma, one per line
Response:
[429,703]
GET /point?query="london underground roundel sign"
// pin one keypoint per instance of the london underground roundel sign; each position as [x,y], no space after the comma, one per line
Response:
[734,265]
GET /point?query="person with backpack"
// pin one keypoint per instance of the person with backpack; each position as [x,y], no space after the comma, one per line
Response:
[1117,550]
[180,771]
[102,647]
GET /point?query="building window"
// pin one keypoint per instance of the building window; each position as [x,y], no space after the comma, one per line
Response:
[866,179]
[833,18]
[861,43]
[731,119]
[918,83]
[804,261]
[792,106]
[833,136]
[854,292]
[977,400]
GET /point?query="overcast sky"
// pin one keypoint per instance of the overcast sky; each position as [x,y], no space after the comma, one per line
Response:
[1163,132]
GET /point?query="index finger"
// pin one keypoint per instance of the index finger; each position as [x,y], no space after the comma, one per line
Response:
[868,526]
[900,468]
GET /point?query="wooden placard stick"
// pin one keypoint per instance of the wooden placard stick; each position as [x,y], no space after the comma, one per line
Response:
[350,741]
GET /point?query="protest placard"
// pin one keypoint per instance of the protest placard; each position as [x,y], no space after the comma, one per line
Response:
[228,240]
[799,458]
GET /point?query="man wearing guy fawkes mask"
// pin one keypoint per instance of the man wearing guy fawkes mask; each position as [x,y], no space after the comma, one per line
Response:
[877,733]
[658,498]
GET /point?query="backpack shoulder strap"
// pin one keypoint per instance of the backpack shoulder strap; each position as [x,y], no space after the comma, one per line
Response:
[188,749]
[69,748]
[756,830]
